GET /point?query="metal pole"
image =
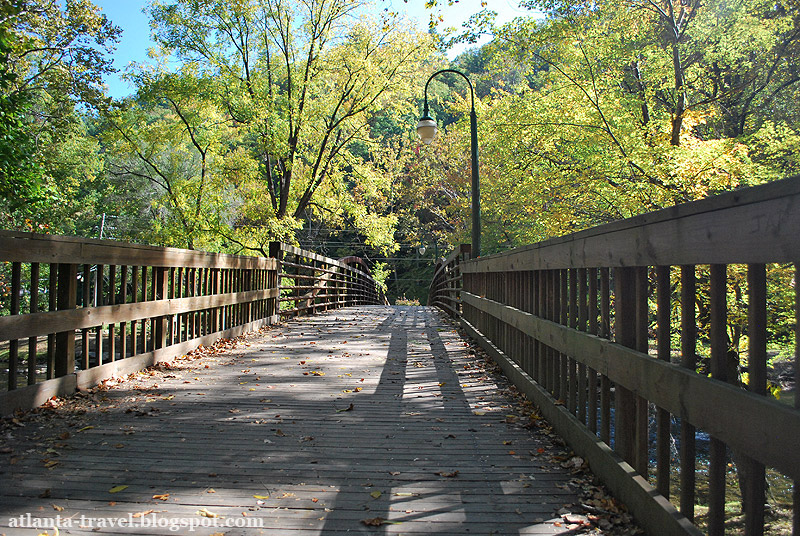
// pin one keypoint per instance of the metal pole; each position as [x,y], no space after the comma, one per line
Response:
[476,190]
[476,186]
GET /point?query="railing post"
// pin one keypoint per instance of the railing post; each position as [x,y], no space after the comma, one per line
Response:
[625,334]
[67,296]
[276,252]
[162,328]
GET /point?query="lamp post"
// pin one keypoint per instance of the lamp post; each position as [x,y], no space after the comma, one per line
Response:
[426,129]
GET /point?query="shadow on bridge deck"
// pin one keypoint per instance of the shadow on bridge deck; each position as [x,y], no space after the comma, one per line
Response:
[361,415]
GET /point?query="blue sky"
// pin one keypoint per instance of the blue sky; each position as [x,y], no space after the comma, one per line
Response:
[128,15]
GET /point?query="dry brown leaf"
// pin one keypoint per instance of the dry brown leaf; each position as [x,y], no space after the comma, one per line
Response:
[448,475]
[207,513]
[58,508]
[374,521]
[161,497]
[142,514]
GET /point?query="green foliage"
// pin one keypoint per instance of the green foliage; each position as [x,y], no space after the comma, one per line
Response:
[53,60]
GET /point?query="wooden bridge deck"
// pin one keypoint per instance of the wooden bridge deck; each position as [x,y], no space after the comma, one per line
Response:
[312,427]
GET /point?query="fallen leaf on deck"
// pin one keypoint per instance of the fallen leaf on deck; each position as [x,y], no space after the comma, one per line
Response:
[58,508]
[86,428]
[161,497]
[374,522]
[206,513]
[448,475]
[376,494]
[142,514]
[348,408]
[261,497]
[279,433]
[117,489]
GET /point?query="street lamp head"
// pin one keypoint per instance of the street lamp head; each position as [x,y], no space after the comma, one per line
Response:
[426,129]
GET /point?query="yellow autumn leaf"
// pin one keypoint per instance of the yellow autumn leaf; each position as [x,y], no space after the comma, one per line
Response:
[207,513]
[262,497]
[117,489]
[376,494]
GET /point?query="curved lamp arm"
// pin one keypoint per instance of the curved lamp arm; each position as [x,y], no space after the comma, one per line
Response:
[426,128]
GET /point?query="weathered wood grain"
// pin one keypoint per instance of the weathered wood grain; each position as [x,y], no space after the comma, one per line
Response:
[273,418]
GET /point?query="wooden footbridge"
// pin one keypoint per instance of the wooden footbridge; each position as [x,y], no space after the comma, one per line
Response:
[337,413]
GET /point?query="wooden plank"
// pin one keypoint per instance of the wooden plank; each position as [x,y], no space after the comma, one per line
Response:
[32,396]
[67,299]
[327,480]
[33,343]
[31,247]
[655,513]
[754,477]
[625,335]
[746,421]
[43,323]
[718,456]
[13,345]
[663,341]
[687,449]
[753,225]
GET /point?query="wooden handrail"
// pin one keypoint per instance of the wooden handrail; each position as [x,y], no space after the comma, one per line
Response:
[116,307]
[582,324]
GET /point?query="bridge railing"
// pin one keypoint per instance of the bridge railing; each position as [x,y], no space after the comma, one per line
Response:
[586,325]
[312,283]
[445,286]
[76,311]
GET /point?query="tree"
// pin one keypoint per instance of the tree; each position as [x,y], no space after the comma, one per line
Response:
[300,81]
[54,57]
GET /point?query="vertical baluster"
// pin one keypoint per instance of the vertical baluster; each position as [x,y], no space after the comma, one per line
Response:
[123,326]
[625,334]
[160,288]
[13,345]
[552,384]
[144,322]
[796,490]
[171,295]
[98,302]
[754,491]
[52,303]
[583,313]
[86,301]
[642,345]
[134,299]
[605,331]
[181,293]
[688,360]
[719,357]
[572,369]
[33,346]
[67,283]
[663,437]
[594,329]
[112,300]
[561,318]
[538,310]
[154,322]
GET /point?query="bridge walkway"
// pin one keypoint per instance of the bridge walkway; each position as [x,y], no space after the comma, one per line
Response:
[373,420]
